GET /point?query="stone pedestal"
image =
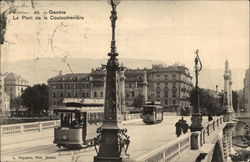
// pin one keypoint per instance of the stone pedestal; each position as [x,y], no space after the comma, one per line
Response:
[195,140]
[196,122]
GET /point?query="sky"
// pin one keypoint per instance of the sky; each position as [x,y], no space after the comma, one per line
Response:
[169,31]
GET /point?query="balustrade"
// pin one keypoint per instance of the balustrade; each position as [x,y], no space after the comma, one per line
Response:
[25,127]
[170,152]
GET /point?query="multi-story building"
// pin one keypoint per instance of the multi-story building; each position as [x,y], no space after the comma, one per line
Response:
[68,86]
[170,85]
[5,99]
[246,91]
[97,83]
[133,85]
[14,85]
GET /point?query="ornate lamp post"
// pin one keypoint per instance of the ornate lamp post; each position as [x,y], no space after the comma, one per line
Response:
[196,116]
[112,143]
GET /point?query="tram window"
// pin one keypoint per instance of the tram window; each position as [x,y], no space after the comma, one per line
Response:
[148,110]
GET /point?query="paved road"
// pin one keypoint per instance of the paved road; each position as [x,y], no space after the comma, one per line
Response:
[40,147]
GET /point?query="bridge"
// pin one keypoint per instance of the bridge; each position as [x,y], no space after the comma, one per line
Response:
[149,143]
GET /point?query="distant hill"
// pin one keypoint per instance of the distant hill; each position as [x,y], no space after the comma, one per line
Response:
[41,69]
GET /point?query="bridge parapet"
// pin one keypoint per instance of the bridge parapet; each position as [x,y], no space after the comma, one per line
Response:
[25,127]
[168,152]
[175,150]
[93,118]
[199,137]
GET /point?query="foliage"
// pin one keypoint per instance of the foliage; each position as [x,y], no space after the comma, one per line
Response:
[241,103]
[16,102]
[235,100]
[208,100]
[139,101]
[36,99]
[184,111]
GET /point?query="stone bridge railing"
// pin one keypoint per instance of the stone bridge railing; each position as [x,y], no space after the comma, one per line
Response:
[93,118]
[168,152]
[208,129]
[190,141]
[26,127]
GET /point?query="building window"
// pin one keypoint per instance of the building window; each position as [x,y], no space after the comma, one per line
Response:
[54,103]
[76,94]
[174,76]
[166,94]
[61,94]
[174,93]
[127,95]
[83,95]
[158,93]
[68,94]
[158,75]
[68,86]
[174,85]
[95,94]
[133,94]
[61,86]
[87,94]
[158,85]
[101,94]
[54,95]
[166,77]
[166,102]
[174,102]
[129,86]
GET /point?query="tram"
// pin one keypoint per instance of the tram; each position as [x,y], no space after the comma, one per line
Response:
[73,132]
[152,113]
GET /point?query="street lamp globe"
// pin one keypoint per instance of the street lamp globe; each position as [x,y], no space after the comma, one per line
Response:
[115,2]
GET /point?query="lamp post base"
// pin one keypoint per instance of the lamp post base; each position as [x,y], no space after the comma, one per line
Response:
[107,159]
[196,122]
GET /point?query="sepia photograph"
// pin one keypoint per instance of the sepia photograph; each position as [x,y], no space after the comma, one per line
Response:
[124,81]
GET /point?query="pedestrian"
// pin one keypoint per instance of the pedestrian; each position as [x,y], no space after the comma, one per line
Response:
[182,121]
[210,117]
[178,128]
[185,127]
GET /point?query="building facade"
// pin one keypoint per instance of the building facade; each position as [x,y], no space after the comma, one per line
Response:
[170,85]
[14,85]
[68,86]
[5,99]
[246,91]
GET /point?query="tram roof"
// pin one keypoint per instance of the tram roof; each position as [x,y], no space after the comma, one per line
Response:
[80,104]
[79,109]
[153,103]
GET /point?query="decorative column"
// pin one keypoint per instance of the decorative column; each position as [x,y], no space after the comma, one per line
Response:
[196,115]
[145,86]
[122,90]
[230,91]
[104,86]
[226,100]
[111,143]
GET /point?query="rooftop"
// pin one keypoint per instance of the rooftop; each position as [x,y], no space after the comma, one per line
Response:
[14,76]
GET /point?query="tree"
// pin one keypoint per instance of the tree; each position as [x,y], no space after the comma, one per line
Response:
[16,102]
[208,100]
[36,98]
[139,101]
[235,100]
